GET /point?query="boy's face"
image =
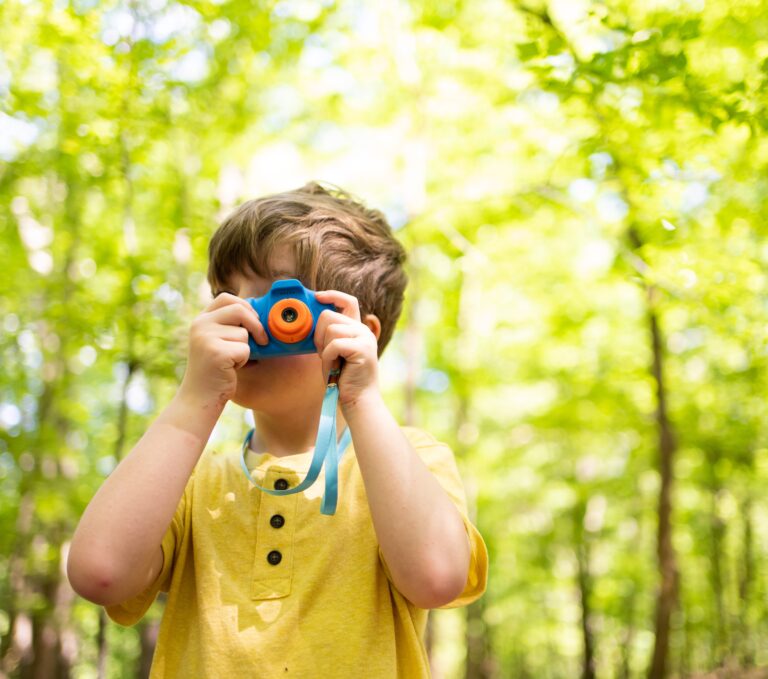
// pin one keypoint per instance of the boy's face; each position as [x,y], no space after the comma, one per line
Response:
[285,384]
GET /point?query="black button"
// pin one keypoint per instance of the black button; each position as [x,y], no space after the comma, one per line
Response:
[274,557]
[277,521]
[281,484]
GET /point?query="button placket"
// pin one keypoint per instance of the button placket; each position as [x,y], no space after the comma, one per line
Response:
[273,561]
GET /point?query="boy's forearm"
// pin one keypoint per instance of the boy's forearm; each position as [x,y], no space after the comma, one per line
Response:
[420,531]
[118,539]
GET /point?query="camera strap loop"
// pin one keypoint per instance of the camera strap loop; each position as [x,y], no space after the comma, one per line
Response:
[326,451]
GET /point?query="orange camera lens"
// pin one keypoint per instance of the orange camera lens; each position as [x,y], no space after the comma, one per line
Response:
[290,321]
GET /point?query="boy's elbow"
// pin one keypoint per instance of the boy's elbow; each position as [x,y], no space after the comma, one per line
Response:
[93,579]
[447,589]
[441,587]
[435,595]
[448,576]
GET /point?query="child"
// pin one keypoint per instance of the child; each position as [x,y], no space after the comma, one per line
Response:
[263,585]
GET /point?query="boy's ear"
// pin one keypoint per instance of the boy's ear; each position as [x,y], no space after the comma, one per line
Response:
[374,324]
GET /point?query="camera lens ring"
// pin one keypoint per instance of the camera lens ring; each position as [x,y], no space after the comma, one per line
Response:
[290,331]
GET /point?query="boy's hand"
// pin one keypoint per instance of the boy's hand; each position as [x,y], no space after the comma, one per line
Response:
[218,346]
[341,334]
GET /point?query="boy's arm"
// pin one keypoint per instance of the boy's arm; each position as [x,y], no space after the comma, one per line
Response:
[116,550]
[420,531]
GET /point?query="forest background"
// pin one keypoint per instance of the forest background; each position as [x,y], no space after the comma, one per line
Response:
[581,187]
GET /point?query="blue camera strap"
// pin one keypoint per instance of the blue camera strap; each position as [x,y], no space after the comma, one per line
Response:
[326,451]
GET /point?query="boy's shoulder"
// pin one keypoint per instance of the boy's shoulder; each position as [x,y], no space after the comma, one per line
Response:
[218,465]
[220,453]
[221,463]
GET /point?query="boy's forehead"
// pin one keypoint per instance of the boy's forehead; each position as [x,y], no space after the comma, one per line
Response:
[280,264]
[282,261]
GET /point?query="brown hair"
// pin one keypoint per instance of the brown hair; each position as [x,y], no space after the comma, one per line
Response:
[339,244]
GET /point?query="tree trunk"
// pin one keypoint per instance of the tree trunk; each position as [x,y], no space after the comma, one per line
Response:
[17,646]
[49,660]
[45,643]
[717,530]
[585,588]
[479,654]
[667,594]
[102,650]
[629,635]
[745,587]
[148,639]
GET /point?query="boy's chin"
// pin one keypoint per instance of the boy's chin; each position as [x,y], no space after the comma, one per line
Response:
[270,402]
[270,406]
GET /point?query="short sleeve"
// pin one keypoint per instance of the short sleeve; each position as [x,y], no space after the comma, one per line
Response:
[439,459]
[131,611]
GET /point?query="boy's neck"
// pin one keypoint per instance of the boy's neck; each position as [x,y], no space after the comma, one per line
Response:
[288,433]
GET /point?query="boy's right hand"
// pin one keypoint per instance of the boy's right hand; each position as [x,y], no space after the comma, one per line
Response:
[218,347]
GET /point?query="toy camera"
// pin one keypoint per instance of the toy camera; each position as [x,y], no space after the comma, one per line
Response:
[289,314]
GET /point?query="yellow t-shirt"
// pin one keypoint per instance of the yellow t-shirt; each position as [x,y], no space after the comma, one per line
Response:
[304,595]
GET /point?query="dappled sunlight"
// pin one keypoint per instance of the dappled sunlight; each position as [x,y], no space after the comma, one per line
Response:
[580,189]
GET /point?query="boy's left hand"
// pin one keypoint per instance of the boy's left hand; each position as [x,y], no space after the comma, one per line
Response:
[341,334]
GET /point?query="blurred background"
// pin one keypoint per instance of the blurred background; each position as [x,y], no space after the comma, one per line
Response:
[581,186]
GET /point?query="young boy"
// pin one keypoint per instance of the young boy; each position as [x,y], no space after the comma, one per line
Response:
[264,585]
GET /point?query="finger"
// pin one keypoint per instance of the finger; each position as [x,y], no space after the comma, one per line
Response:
[239,315]
[224,299]
[326,319]
[230,353]
[348,348]
[341,331]
[242,355]
[332,356]
[233,334]
[346,304]
[236,315]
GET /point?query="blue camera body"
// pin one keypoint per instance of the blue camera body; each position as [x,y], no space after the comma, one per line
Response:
[289,314]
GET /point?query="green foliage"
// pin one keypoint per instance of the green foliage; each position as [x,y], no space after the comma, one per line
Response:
[557,170]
